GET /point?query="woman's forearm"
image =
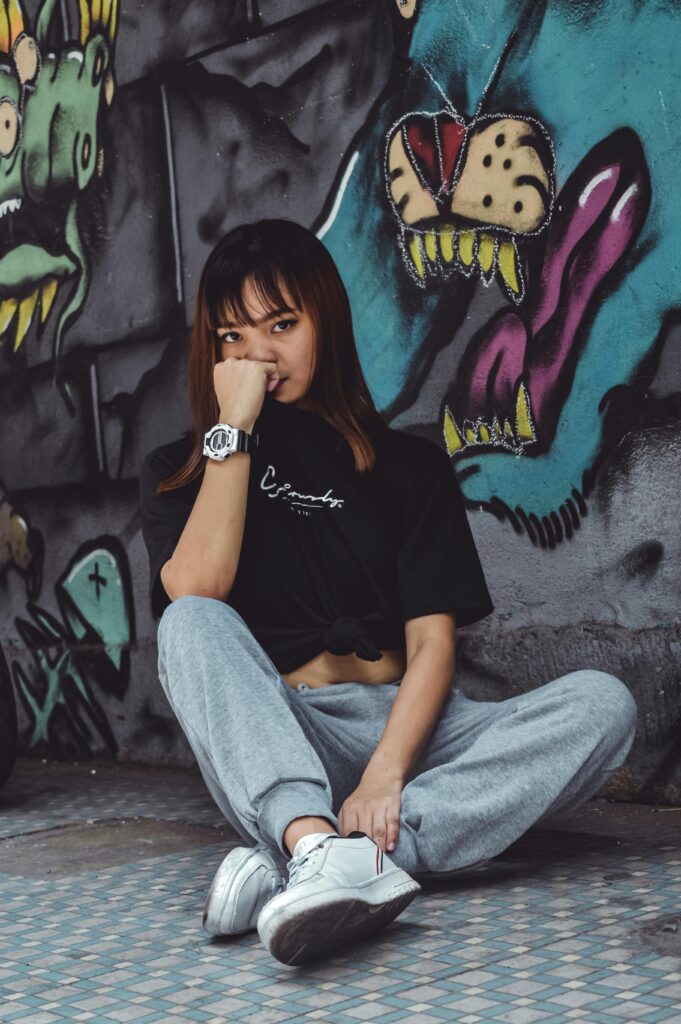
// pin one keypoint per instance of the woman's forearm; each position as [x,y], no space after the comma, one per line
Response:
[206,557]
[422,692]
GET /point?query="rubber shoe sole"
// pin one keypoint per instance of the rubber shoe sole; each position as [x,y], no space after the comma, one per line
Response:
[295,934]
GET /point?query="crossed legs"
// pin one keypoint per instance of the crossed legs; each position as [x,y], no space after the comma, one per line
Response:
[491,769]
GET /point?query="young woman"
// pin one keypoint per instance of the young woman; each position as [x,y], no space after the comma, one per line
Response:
[310,566]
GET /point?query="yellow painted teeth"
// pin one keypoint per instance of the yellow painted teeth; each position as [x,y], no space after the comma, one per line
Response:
[98,16]
[15,19]
[466,247]
[453,440]
[447,244]
[47,294]
[84,10]
[113,19]
[22,311]
[486,253]
[508,266]
[416,255]
[431,246]
[523,419]
[24,316]
[8,308]
[4,30]
[492,434]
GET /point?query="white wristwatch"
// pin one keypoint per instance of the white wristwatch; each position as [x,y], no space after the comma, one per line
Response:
[224,440]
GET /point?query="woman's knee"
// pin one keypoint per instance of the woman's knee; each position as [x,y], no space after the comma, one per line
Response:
[605,698]
[198,641]
[188,624]
[193,611]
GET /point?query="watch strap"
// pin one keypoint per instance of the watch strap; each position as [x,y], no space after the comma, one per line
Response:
[246,442]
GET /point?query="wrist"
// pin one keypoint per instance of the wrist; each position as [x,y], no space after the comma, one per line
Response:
[237,421]
[388,771]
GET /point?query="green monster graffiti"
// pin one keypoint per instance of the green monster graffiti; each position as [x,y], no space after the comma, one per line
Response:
[51,118]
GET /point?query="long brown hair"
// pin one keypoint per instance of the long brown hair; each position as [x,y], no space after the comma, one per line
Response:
[269,254]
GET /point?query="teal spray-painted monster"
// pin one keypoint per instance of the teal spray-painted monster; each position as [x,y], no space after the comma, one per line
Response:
[535,145]
[50,150]
[85,653]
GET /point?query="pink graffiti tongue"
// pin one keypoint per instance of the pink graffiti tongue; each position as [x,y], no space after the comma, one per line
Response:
[565,237]
[599,213]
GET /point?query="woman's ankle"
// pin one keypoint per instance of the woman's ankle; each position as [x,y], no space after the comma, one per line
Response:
[305,826]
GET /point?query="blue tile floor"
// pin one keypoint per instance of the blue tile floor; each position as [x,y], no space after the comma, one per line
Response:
[104,870]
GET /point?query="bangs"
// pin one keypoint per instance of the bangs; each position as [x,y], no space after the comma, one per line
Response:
[225,298]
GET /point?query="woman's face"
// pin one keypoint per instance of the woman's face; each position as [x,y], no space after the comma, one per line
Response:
[284,336]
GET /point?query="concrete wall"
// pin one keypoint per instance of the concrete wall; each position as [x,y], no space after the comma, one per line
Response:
[499,188]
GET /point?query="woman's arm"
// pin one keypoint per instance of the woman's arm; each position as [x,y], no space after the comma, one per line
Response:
[206,557]
[420,696]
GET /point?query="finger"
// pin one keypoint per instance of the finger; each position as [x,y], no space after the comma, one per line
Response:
[393,822]
[378,832]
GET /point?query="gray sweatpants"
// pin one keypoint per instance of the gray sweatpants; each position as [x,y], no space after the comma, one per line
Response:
[491,769]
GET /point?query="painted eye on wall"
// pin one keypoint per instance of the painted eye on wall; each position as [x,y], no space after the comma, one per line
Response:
[85,151]
[406,8]
[9,126]
[99,66]
[26,59]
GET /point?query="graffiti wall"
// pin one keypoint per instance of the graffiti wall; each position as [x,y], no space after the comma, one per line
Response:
[497,183]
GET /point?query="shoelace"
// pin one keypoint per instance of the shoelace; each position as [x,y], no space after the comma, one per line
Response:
[295,865]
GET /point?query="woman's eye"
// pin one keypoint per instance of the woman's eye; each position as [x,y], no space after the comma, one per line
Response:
[284,325]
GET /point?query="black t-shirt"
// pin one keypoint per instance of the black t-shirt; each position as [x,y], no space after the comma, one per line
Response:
[331,559]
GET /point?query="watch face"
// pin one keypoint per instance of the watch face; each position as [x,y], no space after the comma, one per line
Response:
[220,440]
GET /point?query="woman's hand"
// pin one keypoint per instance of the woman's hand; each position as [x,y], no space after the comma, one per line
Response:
[240,386]
[374,808]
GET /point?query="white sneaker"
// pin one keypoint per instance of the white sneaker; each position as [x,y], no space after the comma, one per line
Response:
[247,878]
[339,888]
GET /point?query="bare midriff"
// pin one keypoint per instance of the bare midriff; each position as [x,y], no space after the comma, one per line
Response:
[326,669]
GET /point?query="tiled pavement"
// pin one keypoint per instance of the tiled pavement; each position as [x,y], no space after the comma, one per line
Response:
[104,869]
